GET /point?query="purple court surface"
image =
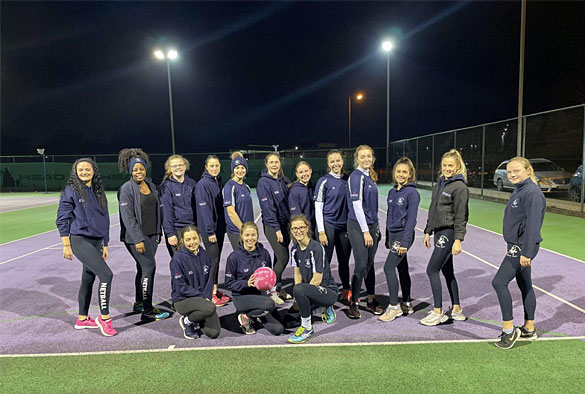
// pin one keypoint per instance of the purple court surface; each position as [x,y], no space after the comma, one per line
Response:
[38,294]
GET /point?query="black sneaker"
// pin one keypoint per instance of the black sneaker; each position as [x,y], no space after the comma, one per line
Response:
[354,312]
[374,307]
[154,315]
[507,341]
[138,307]
[524,333]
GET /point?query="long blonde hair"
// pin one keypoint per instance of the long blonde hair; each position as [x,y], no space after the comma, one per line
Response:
[373,173]
[168,171]
[527,166]
[454,154]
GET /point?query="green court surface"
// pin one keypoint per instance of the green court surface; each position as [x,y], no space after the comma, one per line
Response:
[543,367]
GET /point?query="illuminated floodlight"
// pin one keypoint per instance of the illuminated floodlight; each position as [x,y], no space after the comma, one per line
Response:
[387,46]
[159,54]
[172,54]
[359,97]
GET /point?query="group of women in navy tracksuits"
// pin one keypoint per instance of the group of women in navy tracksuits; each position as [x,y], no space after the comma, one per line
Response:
[340,213]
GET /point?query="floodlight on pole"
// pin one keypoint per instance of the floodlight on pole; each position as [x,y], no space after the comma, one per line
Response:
[41,151]
[387,47]
[171,54]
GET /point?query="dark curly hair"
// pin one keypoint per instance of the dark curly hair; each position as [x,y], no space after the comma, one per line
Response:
[127,154]
[96,182]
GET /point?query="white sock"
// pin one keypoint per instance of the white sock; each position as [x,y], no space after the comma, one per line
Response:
[306,322]
[187,321]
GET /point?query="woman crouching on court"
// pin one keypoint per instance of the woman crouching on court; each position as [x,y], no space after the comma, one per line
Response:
[523,219]
[140,228]
[192,287]
[84,226]
[363,228]
[251,303]
[177,198]
[447,220]
[403,200]
[314,284]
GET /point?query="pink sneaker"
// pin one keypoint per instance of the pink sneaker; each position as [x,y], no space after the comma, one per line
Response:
[218,301]
[223,297]
[87,323]
[106,327]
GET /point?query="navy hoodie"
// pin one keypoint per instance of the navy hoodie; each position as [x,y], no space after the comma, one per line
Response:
[448,207]
[402,211]
[131,212]
[191,275]
[78,216]
[273,196]
[178,204]
[300,201]
[240,265]
[210,216]
[523,217]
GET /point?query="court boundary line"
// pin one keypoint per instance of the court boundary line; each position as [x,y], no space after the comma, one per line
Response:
[30,207]
[173,348]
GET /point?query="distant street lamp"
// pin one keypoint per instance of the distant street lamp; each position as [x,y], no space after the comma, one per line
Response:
[358,97]
[41,151]
[172,55]
[387,47]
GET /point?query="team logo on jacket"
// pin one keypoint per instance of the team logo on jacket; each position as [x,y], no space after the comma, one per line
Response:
[263,264]
[178,276]
[81,200]
[322,289]
[442,241]
[515,203]
[178,194]
[308,263]
[123,203]
[333,188]
[395,247]
[276,192]
[243,195]
[190,272]
[246,269]
[446,194]
[205,269]
[514,251]
[202,203]
[400,201]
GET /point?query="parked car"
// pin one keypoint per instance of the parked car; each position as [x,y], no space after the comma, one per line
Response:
[575,185]
[474,173]
[549,176]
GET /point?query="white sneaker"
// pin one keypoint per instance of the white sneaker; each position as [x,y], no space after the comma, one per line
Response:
[434,319]
[390,313]
[274,297]
[459,316]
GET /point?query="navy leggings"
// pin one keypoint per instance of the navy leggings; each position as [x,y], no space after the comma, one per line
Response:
[510,269]
[394,262]
[442,261]
[89,252]
[213,249]
[261,307]
[339,240]
[309,297]
[202,311]
[281,255]
[234,240]
[145,270]
[364,258]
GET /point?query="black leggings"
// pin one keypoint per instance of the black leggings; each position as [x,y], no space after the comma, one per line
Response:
[442,261]
[309,296]
[214,252]
[510,269]
[199,310]
[280,249]
[89,252]
[145,270]
[393,262]
[172,249]
[363,257]
[234,240]
[339,240]
[261,307]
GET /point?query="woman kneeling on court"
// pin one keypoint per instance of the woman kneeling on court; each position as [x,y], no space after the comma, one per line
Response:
[192,287]
[314,284]
[523,219]
[84,226]
[251,304]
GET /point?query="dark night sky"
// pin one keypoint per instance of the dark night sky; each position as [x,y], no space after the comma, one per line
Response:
[80,78]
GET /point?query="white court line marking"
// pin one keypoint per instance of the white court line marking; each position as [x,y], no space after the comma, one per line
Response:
[29,207]
[315,345]
[40,250]
[258,218]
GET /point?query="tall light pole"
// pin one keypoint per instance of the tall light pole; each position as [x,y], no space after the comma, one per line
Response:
[171,54]
[521,79]
[387,47]
[358,97]
[41,151]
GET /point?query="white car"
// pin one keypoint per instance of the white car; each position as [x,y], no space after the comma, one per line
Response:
[549,176]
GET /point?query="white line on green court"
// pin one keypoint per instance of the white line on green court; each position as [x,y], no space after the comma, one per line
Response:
[173,348]
[30,206]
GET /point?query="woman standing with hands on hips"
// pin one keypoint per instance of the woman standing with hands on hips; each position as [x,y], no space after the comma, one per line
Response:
[331,216]
[84,226]
[447,220]
[523,220]
[177,197]
[237,200]
[211,220]
[272,191]
[363,228]
[140,228]
[403,201]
